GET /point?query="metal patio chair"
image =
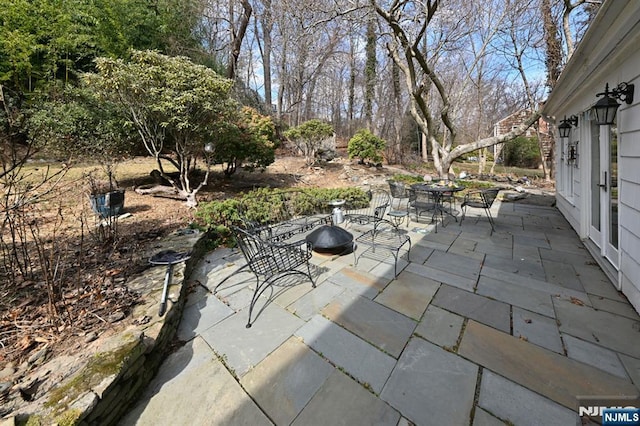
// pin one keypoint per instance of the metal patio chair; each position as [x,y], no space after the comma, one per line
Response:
[270,261]
[480,199]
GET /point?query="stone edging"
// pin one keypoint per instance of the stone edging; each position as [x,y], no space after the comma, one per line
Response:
[122,366]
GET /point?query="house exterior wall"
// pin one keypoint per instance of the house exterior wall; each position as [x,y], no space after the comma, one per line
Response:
[607,54]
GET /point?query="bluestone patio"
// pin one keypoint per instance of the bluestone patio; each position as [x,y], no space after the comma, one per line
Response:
[478,328]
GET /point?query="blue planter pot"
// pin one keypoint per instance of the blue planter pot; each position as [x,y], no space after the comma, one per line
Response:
[109,204]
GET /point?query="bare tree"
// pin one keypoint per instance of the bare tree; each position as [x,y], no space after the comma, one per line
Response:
[410,23]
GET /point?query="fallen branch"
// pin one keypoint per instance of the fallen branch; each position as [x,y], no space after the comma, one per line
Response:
[156,189]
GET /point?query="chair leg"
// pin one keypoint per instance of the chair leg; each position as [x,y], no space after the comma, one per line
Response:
[464,212]
[488,211]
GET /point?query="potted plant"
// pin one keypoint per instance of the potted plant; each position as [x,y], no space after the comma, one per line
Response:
[105,197]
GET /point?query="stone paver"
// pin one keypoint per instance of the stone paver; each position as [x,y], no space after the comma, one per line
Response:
[562,274]
[431,386]
[360,282]
[442,276]
[455,263]
[517,265]
[341,401]
[194,386]
[594,355]
[284,382]
[547,373]
[523,297]
[470,305]
[537,329]
[611,331]
[409,294]
[614,306]
[440,327]
[632,366]
[311,303]
[377,324]
[346,350]
[508,401]
[242,347]
[535,284]
[482,418]
[201,315]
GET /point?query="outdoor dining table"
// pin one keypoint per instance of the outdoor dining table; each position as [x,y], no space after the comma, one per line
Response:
[438,192]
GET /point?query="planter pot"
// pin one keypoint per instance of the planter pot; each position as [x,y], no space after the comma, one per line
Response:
[108,204]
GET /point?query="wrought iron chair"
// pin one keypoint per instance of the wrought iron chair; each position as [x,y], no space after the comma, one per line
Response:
[270,261]
[480,199]
[372,214]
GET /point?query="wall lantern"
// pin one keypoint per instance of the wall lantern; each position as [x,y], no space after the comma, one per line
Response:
[565,126]
[605,109]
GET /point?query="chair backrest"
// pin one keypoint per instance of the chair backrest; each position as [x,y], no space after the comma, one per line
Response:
[397,189]
[379,202]
[489,196]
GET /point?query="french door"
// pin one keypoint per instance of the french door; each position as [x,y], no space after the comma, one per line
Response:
[604,231]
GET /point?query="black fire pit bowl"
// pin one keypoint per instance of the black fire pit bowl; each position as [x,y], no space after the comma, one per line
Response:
[330,239]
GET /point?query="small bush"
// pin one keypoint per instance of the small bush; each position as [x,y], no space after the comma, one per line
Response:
[258,206]
[366,146]
[522,152]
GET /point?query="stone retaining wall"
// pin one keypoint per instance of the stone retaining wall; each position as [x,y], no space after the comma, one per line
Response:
[103,390]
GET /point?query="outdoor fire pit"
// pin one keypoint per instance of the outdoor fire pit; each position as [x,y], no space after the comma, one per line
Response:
[330,239]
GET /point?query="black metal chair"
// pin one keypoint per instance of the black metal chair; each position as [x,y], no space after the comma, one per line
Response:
[480,199]
[372,214]
[270,261]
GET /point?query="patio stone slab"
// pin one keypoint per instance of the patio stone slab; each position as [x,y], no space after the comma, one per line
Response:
[197,386]
[376,324]
[432,386]
[573,258]
[410,294]
[361,360]
[420,253]
[562,274]
[244,347]
[284,296]
[312,302]
[482,418]
[517,265]
[535,284]
[632,365]
[552,375]
[360,282]
[537,329]
[342,401]
[300,373]
[594,281]
[442,276]
[440,327]
[614,306]
[507,400]
[606,329]
[201,315]
[466,247]
[491,312]
[524,297]
[594,355]
[538,241]
[455,263]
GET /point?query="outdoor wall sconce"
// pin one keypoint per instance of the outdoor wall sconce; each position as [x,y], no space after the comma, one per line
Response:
[607,107]
[572,155]
[565,126]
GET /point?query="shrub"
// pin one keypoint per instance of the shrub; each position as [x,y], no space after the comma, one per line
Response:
[366,146]
[522,152]
[258,205]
